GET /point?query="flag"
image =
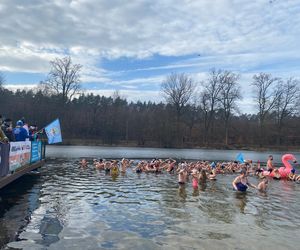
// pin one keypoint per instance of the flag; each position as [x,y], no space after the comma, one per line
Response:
[240,158]
[53,132]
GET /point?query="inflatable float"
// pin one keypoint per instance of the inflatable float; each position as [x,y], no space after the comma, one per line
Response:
[285,170]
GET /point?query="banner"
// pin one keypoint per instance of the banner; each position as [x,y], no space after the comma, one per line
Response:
[36,151]
[4,160]
[53,132]
[19,154]
[240,158]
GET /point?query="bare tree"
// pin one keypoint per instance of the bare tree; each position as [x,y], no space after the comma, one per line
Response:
[64,78]
[212,87]
[229,94]
[286,103]
[178,90]
[266,96]
[204,107]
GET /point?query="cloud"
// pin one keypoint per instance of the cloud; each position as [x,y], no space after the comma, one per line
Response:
[142,28]
[243,36]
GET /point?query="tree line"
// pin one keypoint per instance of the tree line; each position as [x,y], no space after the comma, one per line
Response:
[194,114]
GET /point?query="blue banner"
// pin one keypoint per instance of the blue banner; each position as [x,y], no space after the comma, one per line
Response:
[53,132]
[240,158]
[36,151]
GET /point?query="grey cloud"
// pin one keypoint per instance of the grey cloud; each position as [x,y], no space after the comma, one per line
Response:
[115,28]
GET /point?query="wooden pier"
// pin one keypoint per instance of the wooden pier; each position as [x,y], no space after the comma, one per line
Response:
[20,172]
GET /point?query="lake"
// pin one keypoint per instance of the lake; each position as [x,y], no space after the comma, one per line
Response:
[66,207]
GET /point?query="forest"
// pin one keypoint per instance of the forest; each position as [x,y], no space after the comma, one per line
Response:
[188,117]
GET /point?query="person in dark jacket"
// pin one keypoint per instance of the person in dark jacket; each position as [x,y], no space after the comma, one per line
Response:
[20,133]
[8,129]
[3,138]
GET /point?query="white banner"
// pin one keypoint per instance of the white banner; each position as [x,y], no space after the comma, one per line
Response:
[19,154]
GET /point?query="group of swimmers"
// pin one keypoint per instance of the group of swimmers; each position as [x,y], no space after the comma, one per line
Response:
[199,171]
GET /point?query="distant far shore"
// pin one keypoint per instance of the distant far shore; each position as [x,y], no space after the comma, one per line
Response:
[93,142]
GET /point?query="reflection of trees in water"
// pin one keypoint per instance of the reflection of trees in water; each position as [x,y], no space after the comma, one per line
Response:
[215,205]
[50,227]
[263,213]
[5,237]
[241,201]
[196,192]
[17,203]
[212,201]
[173,199]
[182,192]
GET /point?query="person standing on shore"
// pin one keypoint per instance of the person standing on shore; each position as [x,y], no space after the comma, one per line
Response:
[7,128]
[3,137]
[20,133]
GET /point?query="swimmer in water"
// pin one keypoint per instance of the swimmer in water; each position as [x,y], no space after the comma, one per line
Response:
[195,178]
[170,166]
[203,176]
[263,185]
[277,175]
[83,163]
[241,182]
[182,177]
[114,168]
[95,162]
[107,166]
[213,175]
[100,164]
[270,166]
[139,167]
[123,165]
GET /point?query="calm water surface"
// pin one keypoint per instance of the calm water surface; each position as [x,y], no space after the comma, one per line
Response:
[65,207]
[145,153]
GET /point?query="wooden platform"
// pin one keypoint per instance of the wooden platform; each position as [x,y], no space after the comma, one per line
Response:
[20,172]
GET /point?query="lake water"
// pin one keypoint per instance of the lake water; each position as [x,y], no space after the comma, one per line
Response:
[148,153]
[65,207]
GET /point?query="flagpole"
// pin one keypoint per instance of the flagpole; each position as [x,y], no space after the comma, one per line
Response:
[45,127]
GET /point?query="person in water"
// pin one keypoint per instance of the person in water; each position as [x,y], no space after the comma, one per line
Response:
[195,178]
[182,177]
[292,176]
[99,164]
[213,175]
[203,176]
[277,175]
[270,166]
[241,182]
[107,166]
[83,163]
[139,168]
[263,185]
[114,167]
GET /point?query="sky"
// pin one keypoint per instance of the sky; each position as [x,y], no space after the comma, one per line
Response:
[131,46]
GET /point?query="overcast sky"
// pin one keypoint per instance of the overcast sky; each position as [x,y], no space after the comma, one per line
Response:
[132,45]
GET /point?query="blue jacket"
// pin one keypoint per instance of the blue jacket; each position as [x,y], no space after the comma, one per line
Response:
[20,134]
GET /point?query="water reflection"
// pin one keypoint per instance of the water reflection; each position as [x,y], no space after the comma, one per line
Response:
[17,201]
[241,201]
[196,191]
[182,192]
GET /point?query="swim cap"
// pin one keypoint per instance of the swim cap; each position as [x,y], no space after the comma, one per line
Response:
[293,171]
[19,123]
